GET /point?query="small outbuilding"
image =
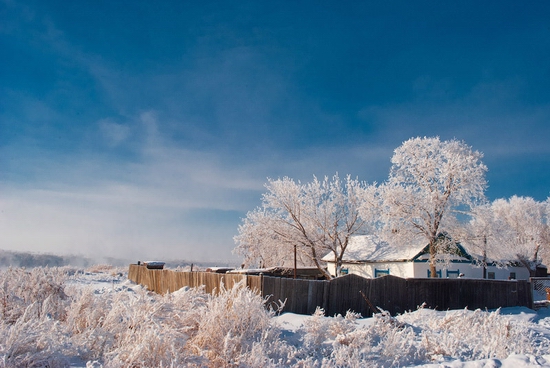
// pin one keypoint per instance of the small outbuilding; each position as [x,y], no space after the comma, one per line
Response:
[154,265]
[309,273]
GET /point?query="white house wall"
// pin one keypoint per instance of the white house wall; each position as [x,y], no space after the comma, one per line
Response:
[452,271]
[369,270]
[420,270]
[471,271]
[522,273]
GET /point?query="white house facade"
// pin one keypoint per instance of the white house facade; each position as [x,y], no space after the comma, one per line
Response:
[369,257]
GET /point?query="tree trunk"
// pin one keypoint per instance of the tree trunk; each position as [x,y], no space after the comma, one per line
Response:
[531,266]
[433,270]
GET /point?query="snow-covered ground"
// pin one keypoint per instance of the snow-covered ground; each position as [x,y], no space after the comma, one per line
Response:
[95,317]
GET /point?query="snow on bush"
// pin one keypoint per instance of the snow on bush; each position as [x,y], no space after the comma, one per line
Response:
[234,323]
[340,342]
[55,317]
[32,305]
[384,343]
[474,335]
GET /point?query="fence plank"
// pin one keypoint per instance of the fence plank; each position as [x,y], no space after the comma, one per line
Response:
[315,295]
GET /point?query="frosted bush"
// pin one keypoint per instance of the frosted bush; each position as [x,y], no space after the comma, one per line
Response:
[32,341]
[20,288]
[319,332]
[149,331]
[473,335]
[384,343]
[85,323]
[188,328]
[32,303]
[316,332]
[339,342]
[232,324]
[122,328]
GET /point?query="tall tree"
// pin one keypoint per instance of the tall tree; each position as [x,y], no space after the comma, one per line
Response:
[523,230]
[482,234]
[316,218]
[429,183]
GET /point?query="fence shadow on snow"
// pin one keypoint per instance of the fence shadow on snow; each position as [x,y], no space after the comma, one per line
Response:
[350,292]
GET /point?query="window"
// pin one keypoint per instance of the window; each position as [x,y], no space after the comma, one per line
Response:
[512,276]
[491,275]
[380,273]
[344,271]
[453,274]
[437,272]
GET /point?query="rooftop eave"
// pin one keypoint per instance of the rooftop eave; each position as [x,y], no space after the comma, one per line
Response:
[375,261]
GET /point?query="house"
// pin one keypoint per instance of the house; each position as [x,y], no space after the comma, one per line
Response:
[370,257]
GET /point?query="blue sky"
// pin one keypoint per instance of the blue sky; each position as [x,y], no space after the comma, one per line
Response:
[146,130]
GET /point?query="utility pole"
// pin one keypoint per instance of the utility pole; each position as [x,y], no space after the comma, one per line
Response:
[484,256]
[295,262]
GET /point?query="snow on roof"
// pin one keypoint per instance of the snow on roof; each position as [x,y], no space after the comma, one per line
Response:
[371,248]
[251,270]
[154,263]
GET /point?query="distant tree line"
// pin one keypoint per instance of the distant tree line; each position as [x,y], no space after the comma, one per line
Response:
[29,260]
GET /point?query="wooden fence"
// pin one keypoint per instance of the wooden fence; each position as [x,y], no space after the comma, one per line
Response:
[168,281]
[351,292]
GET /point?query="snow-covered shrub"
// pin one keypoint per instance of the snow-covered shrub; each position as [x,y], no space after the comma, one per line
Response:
[473,335]
[341,342]
[129,328]
[316,332]
[150,330]
[32,341]
[20,288]
[319,332]
[383,343]
[32,308]
[233,324]
[85,323]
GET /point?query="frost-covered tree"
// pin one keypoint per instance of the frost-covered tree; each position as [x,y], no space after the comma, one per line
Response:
[521,229]
[481,226]
[429,183]
[510,230]
[314,219]
[481,234]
